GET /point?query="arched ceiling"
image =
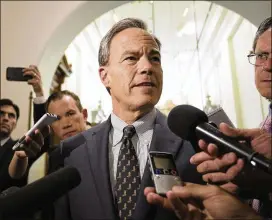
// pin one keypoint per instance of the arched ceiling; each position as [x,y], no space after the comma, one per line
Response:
[87,11]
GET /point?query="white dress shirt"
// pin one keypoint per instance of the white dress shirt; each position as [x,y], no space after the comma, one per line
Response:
[141,141]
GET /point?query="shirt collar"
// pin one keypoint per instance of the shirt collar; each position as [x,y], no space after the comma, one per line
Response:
[4,141]
[141,125]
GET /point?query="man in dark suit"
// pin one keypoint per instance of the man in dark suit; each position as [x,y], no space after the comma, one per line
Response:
[130,69]
[9,115]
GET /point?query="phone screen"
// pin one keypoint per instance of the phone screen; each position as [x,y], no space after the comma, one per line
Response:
[163,164]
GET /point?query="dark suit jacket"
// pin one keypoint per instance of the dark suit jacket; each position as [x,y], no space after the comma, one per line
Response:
[38,111]
[6,154]
[93,198]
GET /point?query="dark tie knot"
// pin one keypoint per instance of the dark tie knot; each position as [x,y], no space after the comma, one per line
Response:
[129,131]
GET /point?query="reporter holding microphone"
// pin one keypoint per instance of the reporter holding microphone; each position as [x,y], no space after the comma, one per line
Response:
[200,202]
[228,168]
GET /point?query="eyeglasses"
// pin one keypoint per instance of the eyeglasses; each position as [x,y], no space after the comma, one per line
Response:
[258,59]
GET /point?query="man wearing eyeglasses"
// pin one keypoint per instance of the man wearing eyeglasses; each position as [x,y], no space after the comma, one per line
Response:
[9,114]
[228,170]
[260,57]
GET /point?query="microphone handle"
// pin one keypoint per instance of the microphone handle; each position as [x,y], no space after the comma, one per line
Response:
[227,144]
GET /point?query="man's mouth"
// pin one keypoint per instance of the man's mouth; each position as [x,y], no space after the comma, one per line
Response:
[147,84]
[267,80]
[4,126]
[69,133]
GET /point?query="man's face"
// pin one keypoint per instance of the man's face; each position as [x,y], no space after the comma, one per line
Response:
[8,120]
[134,72]
[263,73]
[71,122]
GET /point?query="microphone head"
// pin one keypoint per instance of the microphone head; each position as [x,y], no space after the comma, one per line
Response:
[183,120]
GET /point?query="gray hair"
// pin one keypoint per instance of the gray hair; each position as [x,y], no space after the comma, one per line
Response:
[104,48]
[264,26]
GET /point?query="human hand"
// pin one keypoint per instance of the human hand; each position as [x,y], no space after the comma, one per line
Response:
[220,169]
[193,201]
[36,81]
[32,145]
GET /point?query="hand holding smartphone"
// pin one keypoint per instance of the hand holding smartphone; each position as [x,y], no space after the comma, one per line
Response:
[46,119]
[17,74]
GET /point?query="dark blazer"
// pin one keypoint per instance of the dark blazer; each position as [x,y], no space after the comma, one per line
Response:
[93,198]
[38,111]
[6,154]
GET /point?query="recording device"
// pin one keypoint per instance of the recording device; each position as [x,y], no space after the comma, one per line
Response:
[164,171]
[40,193]
[46,119]
[16,74]
[218,116]
[190,123]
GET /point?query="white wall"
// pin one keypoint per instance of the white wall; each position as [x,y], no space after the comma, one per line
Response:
[26,28]
[38,32]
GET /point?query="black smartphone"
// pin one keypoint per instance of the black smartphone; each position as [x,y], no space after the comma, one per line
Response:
[16,74]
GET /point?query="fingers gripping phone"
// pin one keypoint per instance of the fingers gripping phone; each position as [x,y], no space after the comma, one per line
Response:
[46,119]
[17,74]
[164,172]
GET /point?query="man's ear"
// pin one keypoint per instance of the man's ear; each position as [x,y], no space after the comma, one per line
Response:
[85,114]
[104,77]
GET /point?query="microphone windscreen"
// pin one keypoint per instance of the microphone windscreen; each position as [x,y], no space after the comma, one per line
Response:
[183,119]
[41,192]
[9,191]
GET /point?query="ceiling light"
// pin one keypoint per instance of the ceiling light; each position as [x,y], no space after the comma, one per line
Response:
[151,2]
[185,12]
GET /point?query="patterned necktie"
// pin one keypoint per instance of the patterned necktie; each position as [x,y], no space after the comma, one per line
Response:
[127,176]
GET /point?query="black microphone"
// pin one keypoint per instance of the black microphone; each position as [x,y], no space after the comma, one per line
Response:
[8,191]
[190,123]
[40,193]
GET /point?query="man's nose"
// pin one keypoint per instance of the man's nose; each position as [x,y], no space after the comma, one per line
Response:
[66,123]
[5,117]
[268,64]
[145,66]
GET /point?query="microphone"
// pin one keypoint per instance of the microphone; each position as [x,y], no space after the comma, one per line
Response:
[8,191]
[40,193]
[190,123]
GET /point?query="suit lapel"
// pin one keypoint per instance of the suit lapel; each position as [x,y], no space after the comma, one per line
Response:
[5,148]
[165,141]
[98,153]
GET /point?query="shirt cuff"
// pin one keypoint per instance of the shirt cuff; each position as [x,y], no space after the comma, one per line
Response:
[39,100]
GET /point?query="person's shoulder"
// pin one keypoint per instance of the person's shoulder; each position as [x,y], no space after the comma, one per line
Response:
[10,143]
[77,140]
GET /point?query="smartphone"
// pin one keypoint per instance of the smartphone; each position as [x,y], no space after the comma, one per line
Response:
[164,172]
[46,119]
[16,74]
